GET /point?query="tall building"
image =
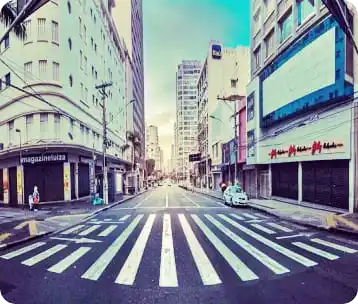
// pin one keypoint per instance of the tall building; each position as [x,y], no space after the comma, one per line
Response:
[70,48]
[225,74]
[153,150]
[299,106]
[186,114]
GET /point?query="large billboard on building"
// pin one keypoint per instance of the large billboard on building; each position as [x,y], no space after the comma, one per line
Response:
[305,76]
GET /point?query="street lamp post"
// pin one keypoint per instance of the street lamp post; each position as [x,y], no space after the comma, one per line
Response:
[22,168]
[207,156]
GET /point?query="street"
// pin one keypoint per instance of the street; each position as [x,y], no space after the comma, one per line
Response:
[173,246]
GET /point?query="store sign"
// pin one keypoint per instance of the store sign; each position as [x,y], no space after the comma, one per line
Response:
[44,158]
[317,147]
[216,51]
[67,181]
[5,184]
[19,184]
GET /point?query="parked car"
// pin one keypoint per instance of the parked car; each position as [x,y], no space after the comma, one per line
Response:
[235,196]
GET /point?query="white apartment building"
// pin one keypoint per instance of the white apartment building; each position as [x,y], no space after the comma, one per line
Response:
[224,74]
[153,151]
[71,46]
[186,114]
[299,108]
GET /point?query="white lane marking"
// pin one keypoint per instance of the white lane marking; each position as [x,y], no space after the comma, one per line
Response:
[306,234]
[256,253]
[244,272]
[287,252]
[129,270]
[263,216]
[172,207]
[107,219]
[207,271]
[237,216]
[334,246]
[73,229]
[69,260]
[254,221]
[96,270]
[249,216]
[262,228]
[21,251]
[124,218]
[168,272]
[108,230]
[317,251]
[89,230]
[43,255]
[279,227]
[166,199]
[190,200]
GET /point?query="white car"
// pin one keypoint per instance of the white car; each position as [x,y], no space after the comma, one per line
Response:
[235,196]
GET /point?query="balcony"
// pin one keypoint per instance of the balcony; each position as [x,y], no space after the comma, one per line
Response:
[269,22]
[283,6]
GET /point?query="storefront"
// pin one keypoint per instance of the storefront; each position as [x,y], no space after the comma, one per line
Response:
[285,180]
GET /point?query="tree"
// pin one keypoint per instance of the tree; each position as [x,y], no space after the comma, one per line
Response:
[134,140]
[150,165]
[8,15]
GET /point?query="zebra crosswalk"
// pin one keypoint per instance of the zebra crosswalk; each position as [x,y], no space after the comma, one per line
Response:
[213,240]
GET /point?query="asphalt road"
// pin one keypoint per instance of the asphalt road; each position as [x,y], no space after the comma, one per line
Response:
[173,246]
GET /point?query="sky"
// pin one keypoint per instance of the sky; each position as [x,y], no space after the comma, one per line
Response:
[176,30]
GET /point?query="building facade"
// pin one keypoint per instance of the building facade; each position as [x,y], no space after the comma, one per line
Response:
[153,150]
[299,106]
[186,114]
[224,74]
[52,120]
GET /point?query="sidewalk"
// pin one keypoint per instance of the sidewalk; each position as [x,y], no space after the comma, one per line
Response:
[299,214]
[19,225]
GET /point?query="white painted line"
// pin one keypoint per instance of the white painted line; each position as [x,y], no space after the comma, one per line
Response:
[263,216]
[166,199]
[256,253]
[172,207]
[190,200]
[287,252]
[254,221]
[73,229]
[21,251]
[245,273]
[89,230]
[107,219]
[168,272]
[129,270]
[317,251]
[250,216]
[237,216]
[207,271]
[108,230]
[43,255]
[124,218]
[96,270]
[334,246]
[69,260]
[211,200]
[262,228]
[279,227]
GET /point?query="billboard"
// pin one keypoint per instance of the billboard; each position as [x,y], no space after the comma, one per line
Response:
[216,51]
[303,76]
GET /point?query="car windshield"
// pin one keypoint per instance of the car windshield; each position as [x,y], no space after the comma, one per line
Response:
[236,189]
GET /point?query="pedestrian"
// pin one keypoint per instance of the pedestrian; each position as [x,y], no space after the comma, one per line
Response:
[31,202]
[36,197]
[223,187]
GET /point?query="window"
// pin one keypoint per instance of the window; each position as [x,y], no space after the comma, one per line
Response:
[84,33]
[28,36]
[82,93]
[349,47]
[270,6]
[70,79]
[80,25]
[95,47]
[7,41]
[43,125]
[27,70]
[56,71]
[70,43]
[86,94]
[7,80]
[233,83]
[269,44]
[54,31]
[304,9]
[85,63]
[42,69]
[29,119]
[285,26]
[81,60]
[11,132]
[69,7]
[57,121]
[257,56]
[250,107]
[72,125]
[41,28]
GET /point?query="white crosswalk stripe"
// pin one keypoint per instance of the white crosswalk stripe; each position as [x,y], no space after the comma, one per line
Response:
[244,272]
[205,268]
[124,218]
[168,273]
[249,216]
[279,227]
[130,268]
[262,216]
[210,238]
[334,246]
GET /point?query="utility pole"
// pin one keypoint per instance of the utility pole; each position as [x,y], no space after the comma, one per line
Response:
[102,90]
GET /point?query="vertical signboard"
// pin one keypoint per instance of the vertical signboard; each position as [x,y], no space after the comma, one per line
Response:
[67,181]
[119,182]
[6,185]
[19,179]
[251,145]
[92,176]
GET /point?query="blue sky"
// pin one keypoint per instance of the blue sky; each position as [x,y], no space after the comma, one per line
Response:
[181,29]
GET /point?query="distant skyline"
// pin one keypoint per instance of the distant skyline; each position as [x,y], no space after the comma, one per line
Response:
[175,30]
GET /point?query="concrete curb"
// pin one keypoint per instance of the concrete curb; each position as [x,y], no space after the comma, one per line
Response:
[267,210]
[38,236]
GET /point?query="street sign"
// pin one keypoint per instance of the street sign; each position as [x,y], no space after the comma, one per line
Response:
[194,157]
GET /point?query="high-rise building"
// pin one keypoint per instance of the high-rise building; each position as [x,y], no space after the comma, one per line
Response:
[299,105]
[70,48]
[186,114]
[153,150]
